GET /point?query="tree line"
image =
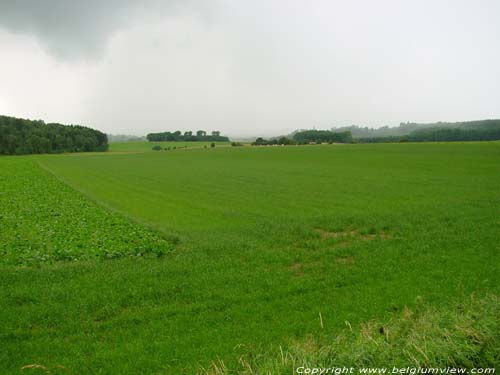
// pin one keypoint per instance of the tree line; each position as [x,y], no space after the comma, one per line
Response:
[188,136]
[306,137]
[323,136]
[21,136]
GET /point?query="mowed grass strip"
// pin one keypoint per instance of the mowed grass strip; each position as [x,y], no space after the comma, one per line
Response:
[43,221]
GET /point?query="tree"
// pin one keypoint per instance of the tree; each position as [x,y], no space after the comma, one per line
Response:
[259,141]
[283,141]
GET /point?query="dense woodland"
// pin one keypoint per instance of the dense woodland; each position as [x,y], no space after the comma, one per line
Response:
[189,136]
[19,136]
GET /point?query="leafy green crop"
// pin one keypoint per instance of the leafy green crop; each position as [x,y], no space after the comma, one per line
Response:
[43,221]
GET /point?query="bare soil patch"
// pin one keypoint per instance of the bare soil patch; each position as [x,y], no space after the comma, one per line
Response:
[353,234]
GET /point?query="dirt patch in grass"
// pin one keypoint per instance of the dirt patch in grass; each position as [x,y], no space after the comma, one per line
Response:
[325,234]
[351,234]
[300,269]
[297,269]
[349,260]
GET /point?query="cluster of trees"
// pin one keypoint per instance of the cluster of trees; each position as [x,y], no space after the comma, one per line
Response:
[168,148]
[273,141]
[20,136]
[306,137]
[189,136]
[322,136]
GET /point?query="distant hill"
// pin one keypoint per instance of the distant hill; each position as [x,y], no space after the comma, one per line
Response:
[409,127]
[21,136]
[124,138]
[481,130]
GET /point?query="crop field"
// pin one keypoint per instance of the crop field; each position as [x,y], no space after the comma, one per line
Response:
[222,252]
[44,221]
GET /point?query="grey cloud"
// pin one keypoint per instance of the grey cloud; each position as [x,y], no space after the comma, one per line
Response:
[76,28]
[259,67]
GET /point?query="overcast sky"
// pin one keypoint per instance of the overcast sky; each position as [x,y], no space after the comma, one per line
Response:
[248,68]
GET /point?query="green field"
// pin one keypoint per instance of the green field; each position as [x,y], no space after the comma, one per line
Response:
[265,246]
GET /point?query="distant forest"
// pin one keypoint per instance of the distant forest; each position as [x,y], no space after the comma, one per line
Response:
[189,136]
[20,136]
[482,130]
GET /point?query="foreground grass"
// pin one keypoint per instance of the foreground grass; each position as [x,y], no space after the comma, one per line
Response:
[269,239]
[466,335]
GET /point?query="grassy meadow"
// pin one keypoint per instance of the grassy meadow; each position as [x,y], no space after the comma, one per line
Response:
[264,247]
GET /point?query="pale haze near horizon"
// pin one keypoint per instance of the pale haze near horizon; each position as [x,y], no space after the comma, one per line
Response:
[256,68]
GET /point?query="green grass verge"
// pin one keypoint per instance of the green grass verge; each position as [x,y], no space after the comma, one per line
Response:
[465,335]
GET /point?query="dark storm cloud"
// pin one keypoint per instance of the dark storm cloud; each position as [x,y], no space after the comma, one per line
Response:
[74,29]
